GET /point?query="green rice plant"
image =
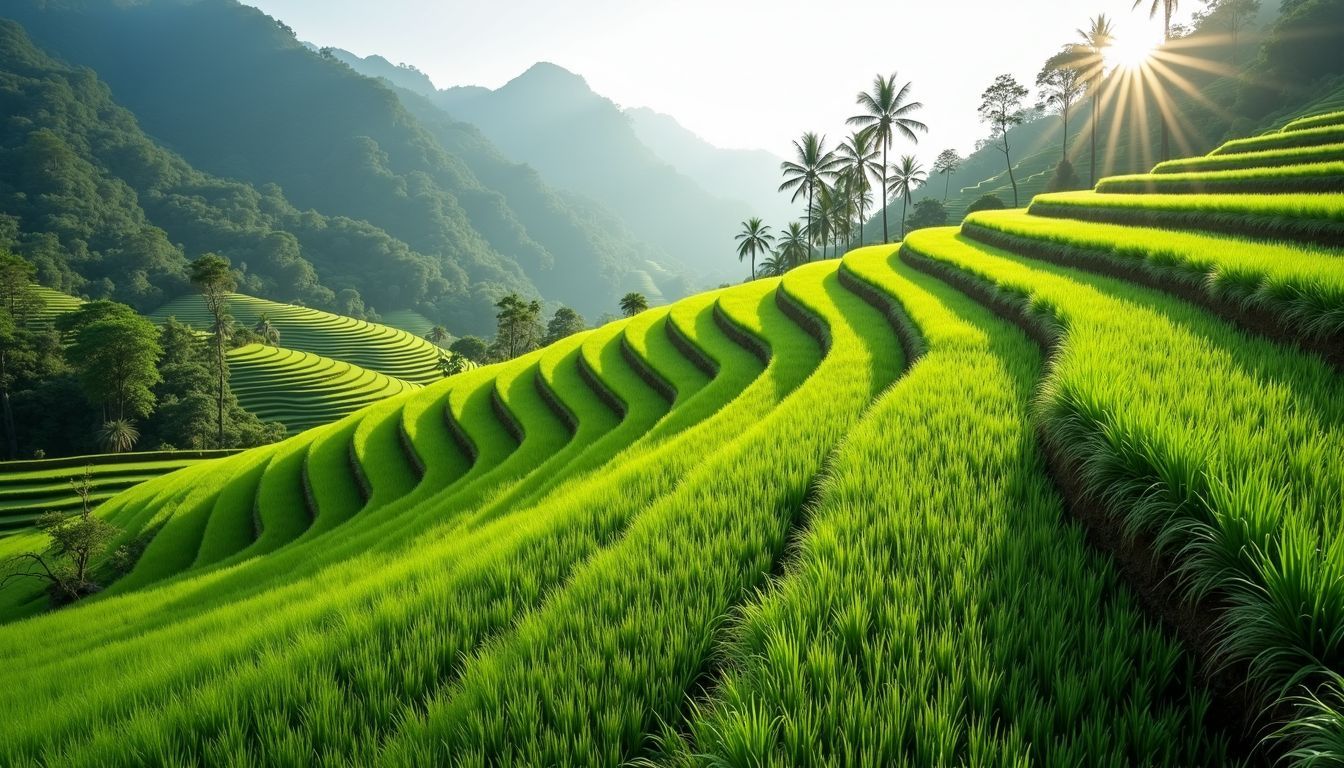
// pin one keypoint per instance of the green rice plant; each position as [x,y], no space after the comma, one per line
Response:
[1273,158]
[1315,121]
[1306,137]
[504,535]
[1237,479]
[723,528]
[1305,218]
[928,626]
[1317,177]
[1302,287]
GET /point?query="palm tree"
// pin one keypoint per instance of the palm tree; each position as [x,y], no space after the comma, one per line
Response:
[754,238]
[633,303]
[811,166]
[775,265]
[1096,39]
[887,112]
[908,175]
[438,335]
[859,162]
[822,217]
[267,330]
[1168,8]
[792,246]
[118,435]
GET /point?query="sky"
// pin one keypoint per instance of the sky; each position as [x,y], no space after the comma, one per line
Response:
[740,73]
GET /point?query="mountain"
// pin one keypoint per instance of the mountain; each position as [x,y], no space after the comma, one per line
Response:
[550,119]
[102,210]
[233,92]
[747,175]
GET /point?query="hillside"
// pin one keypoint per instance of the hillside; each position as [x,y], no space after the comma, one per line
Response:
[550,119]
[925,482]
[235,94]
[374,346]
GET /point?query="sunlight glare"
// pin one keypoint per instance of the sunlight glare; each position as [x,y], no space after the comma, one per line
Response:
[1133,47]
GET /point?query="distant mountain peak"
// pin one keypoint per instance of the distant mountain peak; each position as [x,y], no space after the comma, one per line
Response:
[553,77]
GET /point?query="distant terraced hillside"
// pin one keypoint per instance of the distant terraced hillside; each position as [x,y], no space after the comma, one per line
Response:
[302,390]
[380,348]
[54,304]
[1062,486]
[29,488]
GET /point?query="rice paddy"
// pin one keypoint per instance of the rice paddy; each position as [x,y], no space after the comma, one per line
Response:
[1062,486]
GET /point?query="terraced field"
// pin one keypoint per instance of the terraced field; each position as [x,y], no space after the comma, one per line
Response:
[29,488]
[1056,487]
[380,348]
[302,390]
[54,304]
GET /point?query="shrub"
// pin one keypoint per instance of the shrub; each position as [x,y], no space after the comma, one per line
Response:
[987,203]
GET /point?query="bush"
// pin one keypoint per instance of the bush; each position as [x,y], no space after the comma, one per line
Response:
[928,213]
[1065,179]
[987,203]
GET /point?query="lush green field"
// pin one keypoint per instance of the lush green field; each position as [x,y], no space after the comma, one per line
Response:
[1046,489]
[29,488]
[389,351]
[302,390]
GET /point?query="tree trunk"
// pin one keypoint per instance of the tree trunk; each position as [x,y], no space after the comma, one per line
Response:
[11,440]
[1009,158]
[947,184]
[905,200]
[219,365]
[885,237]
[809,222]
[1064,158]
[753,264]
[1096,115]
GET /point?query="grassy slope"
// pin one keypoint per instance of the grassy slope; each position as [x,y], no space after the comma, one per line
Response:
[791,522]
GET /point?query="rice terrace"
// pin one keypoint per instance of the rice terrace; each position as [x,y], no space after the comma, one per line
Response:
[988,411]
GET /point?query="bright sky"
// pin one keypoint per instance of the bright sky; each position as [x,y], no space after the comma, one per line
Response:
[741,73]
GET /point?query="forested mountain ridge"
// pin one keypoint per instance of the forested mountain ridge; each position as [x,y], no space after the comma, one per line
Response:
[235,94]
[549,118]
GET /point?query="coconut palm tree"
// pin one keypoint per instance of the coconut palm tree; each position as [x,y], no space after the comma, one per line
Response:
[811,166]
[1096,39]
[822,217]
[907,174]
[754,238]
[118,435]
[1168,8]
[775,265]
[633,303]
[438,335]
[792,247]
[858,163]
[267,330]
[887,110]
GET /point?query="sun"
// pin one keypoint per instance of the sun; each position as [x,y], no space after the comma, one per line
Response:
[1132,50]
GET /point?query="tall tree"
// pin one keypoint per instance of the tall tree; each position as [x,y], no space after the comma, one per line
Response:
[948,163]
[822,217]
[1168,9]
[519,323]
[858,163]
[565,322]
[1096,39]
[887,110]
[792,247]
[1001,107]
[18,302]
[633,303]
[116,361]
[213,277]
[812,166]
[908,175]
[754,238]
[1060,84]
